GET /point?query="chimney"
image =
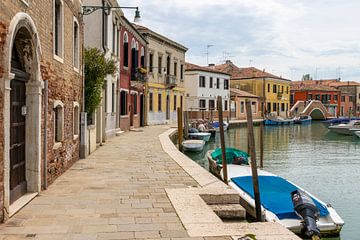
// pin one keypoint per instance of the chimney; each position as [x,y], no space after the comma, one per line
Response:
[212,65]
[263,69]
[228,62]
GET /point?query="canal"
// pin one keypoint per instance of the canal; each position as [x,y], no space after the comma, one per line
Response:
[324,163]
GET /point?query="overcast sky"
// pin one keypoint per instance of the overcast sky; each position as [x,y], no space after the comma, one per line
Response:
[285,37]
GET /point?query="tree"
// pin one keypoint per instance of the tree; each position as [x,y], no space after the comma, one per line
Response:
[96,69]
[306,77]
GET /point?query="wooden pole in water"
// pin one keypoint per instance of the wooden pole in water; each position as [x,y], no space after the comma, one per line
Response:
[186,124]
[222,139]
[262,136]
[180,127]
[255,178]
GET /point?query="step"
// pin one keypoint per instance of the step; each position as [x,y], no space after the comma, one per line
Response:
[118,133]
[217,199]
[229,211]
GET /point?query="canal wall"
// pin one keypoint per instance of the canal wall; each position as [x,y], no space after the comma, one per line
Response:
[243,123]
[193,204]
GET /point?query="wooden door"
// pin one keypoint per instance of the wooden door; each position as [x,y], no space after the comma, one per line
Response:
[132,110]
[17,139]
[167,107]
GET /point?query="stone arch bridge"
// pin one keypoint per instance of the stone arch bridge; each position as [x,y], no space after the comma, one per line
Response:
[314,108]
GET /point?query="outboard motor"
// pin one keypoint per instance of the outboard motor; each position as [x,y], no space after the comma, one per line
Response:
[305,208]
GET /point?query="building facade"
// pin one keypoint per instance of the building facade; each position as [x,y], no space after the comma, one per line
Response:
[274,91]
[102,31]
[202,87]
[132,76]
[41,96]
[165,88]
[238,107]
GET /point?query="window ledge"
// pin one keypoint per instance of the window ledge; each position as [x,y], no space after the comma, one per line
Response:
[124,116]
[75,137]
[76,69]
[25,3]
[57,145]
[59,59]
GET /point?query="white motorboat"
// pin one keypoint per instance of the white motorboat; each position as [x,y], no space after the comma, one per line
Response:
[193,145]
[276,199]
[357,133]
[200,136]
[346,128]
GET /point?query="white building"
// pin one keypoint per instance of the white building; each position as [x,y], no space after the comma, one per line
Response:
[203,85]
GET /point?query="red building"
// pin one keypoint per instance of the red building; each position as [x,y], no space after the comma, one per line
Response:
[132,81]
[312,90]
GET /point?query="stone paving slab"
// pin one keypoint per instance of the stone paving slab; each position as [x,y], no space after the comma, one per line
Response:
[118,192]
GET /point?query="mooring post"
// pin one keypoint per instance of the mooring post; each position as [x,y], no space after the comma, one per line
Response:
[180,128]
[222,139]
[255,178]
[186,124]
[262,145]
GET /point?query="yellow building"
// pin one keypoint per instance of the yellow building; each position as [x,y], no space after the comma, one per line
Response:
[274,91]
[165,90]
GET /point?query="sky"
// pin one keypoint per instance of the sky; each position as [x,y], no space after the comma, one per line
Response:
[288,38]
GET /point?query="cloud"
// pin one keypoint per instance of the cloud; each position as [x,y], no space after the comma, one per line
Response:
[272,34]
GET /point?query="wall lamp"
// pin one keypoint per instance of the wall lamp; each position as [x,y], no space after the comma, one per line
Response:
[87,10]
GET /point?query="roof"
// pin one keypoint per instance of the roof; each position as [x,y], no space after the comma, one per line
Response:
[146,31]
[193,67]
[239,93]
[245,73]
[310,86]
[127,24]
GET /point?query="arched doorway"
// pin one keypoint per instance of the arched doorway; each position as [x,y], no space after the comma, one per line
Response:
[22,112]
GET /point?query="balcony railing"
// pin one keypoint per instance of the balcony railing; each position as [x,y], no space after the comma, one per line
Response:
[137,75]
[170,81]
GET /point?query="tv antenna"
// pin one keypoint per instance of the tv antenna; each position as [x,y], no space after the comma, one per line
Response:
[207,53]
[227,56]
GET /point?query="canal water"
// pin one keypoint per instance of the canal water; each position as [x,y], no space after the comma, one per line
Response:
[324,163]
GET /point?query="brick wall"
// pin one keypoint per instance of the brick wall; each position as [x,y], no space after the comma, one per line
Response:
[65,84]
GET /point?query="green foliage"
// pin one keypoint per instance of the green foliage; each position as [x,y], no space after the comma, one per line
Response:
[306,77]
[96,69]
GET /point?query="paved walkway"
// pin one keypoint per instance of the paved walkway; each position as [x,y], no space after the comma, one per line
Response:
[116,193]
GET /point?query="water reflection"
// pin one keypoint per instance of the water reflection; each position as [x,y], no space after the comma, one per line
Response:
[324,163]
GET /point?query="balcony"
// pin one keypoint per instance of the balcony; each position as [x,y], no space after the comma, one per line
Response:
[138,75]
[170,81]
[279,95]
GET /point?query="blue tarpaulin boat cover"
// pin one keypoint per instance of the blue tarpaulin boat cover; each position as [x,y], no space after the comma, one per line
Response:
[275,195]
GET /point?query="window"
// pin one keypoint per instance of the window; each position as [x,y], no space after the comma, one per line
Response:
[113,97]
[310,97]
[211,104]
[287,90]
[168,65]
[291,99]
[135,103]
[202,104]
[202,82]
[242,107]
[274,88]
[225,105]
[175,68]
[117,42]
[142,58]
[58,28]
[76,45]
[182,73]
[343,98]
[159,102]
[351,99]
[126,50]
[114,37]
[218,83]
[268,107]
[181,102]
[274,107]
[151,100]
[226,84]
[253,107]
[282,89]
[211,83]
[151,59]
[282,107]
[76,119]
[317,97]
[159,64]
[175,103]
[123,103]
[105,30]
[335,97]
[58,121]
[287,107]
[268,87]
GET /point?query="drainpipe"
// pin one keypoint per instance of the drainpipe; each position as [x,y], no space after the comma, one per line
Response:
[103,27]
[46,98]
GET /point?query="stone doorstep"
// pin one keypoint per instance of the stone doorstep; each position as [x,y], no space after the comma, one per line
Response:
[20,203]
[229,211]
[118,133]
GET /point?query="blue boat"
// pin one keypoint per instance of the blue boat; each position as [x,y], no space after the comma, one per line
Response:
[303,120]
[273,119]
[336,121]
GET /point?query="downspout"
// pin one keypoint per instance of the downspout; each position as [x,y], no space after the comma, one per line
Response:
[103,27]
[46,96]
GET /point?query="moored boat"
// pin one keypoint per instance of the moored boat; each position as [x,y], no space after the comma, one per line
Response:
[336,121]
[346,128]
[276,199]
[200,136]
[273,119]
[303,119]
[357,133]
[216,125]
[193,145]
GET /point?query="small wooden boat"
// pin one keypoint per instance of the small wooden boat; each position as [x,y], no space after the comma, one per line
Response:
[273,119]
[302,120]
[276,200]
[193,145]
[346,128]
[200,136]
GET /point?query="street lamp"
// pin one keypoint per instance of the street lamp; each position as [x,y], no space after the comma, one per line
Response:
[87,10]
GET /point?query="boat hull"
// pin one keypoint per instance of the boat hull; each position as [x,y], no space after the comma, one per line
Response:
[330,225]
[357,133]
[200,136]
[273,122]
[193,145]
[341,130]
